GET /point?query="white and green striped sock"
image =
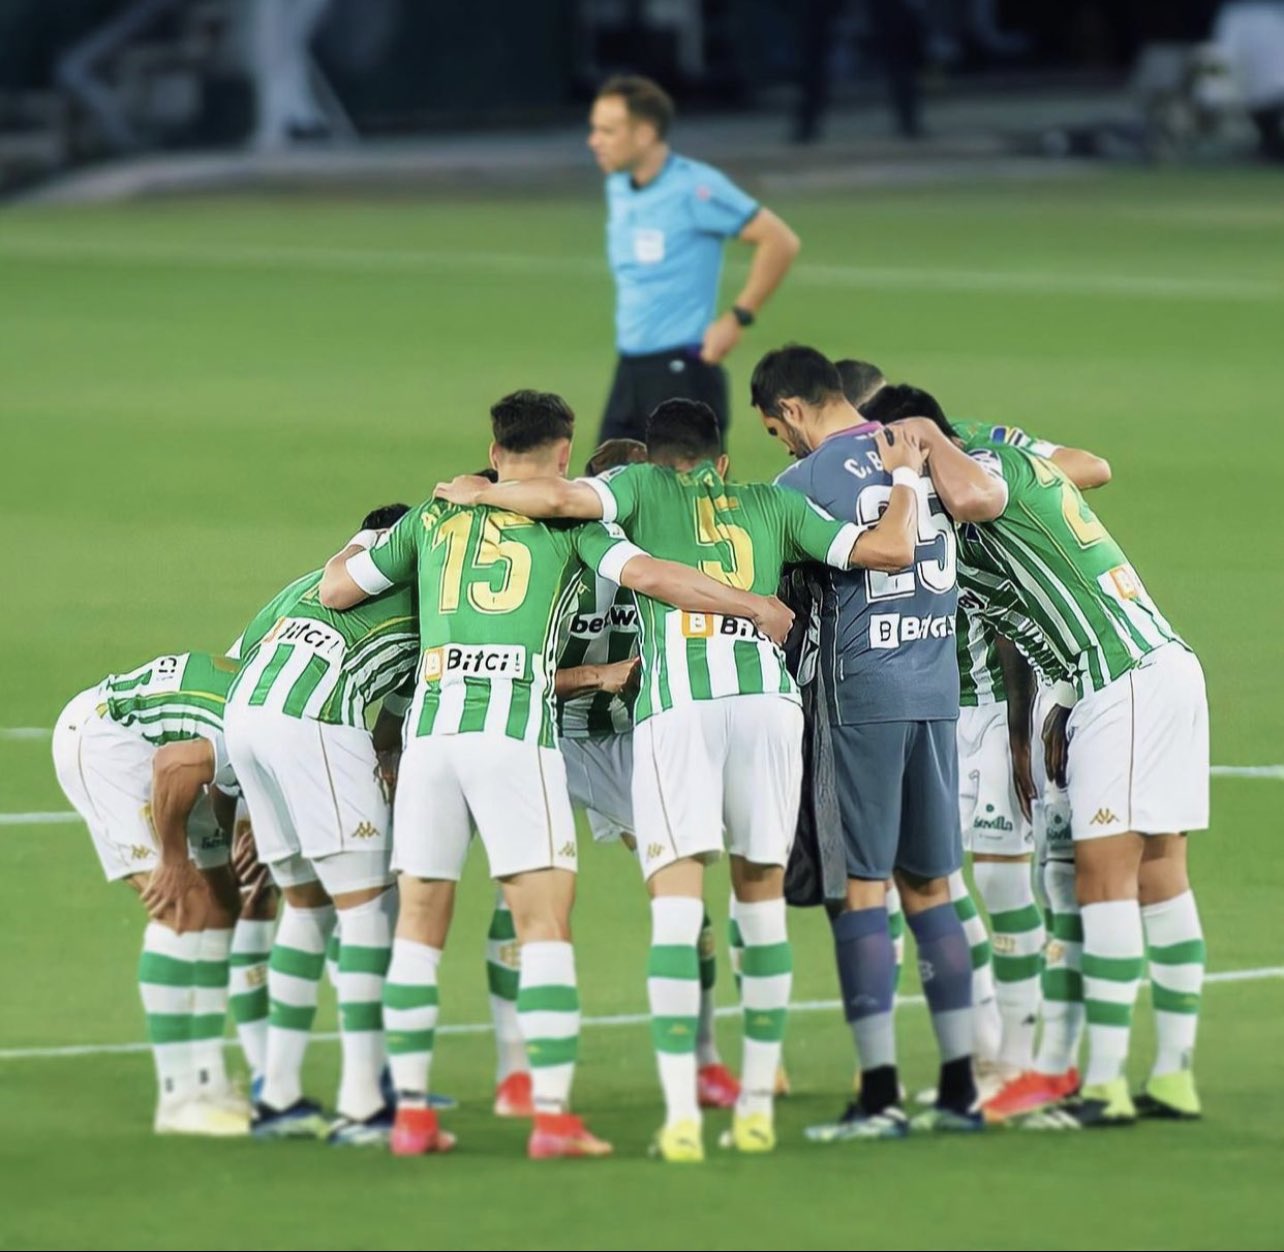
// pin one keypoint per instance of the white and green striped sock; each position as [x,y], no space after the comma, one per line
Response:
[294,983]
[503,973]
[247,984]
[363,965]
[410,1006]
[986,1022]
[673,989]
[1113,958]
[1063,1010]
[768,977]
[209,1010]
[167,985]
[706,1036]
[1175,946]
[333,948]
[735,941]
[896,926]
[1007,891]
[548,1010]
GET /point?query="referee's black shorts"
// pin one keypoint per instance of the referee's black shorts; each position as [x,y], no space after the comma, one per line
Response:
[642,382]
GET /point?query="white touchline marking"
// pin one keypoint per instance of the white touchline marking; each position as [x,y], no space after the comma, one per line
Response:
[64,251]
[61,817]
[619,1019]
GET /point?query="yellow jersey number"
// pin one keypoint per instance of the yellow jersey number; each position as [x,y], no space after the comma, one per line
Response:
[495,549]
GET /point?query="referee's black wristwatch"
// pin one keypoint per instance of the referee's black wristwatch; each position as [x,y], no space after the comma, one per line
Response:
[742,315]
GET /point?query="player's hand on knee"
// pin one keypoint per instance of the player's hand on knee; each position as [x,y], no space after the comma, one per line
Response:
[245,856]
[178,895]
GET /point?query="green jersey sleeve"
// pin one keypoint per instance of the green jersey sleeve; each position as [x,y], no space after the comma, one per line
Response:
[813,533]
[604,548]
[394,560]
[619,491]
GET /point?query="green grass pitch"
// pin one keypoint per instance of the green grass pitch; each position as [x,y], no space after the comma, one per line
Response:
[199,399]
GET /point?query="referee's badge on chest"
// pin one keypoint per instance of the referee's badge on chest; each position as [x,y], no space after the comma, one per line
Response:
[648,245]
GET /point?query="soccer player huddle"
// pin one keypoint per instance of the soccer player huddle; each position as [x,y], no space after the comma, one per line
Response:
[963,657]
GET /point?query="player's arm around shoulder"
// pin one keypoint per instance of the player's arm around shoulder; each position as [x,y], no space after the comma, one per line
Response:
[1085,469]
[889,544]
[358,572]
[539,498]
[605,549]
[970,491]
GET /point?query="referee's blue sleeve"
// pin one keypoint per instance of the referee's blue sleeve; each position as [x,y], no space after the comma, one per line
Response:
[719,206]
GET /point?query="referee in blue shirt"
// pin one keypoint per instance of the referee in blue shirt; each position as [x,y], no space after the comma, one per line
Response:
[667,218]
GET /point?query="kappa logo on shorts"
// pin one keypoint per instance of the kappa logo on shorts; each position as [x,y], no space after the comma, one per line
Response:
[365,830]
[654,850]
[567,850]
[139,852]
[1103,817]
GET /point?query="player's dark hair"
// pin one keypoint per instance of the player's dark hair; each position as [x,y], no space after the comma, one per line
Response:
[860,380]
[793,372]
[525,420]
[682,432]
[384,516]
[490,474]
[899,400]
[644,98]
[614,453]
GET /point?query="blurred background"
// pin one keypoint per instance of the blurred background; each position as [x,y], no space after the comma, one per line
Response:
[370,89]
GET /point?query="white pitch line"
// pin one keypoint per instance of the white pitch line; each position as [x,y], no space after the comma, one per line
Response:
[66,816]
[618,1019]
[387,260]
[24,732]
[60,818]
[1247,771]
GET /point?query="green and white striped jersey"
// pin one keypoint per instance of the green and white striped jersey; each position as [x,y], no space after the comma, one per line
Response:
[173,698]
[740,534]
[493,588]
[268,616]
[323,664]
[980,672]
[602,629]
[1048,576]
